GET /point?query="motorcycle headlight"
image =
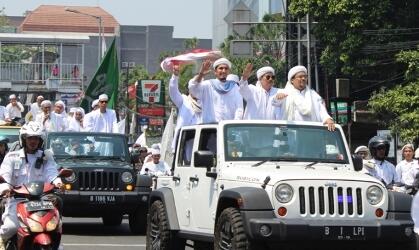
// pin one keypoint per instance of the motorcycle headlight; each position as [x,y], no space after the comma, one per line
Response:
[71,178]
[374,195]
[284,193]
[34,226]
[126,177]
[52,224]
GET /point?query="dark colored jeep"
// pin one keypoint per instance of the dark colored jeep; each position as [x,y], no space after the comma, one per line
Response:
[104,183]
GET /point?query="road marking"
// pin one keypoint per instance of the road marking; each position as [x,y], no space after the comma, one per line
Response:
[104,245]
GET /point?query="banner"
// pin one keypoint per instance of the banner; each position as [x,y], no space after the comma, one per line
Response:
[105,80]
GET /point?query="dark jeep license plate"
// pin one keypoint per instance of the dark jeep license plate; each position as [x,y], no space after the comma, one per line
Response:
[102,199]
[344,233]
[38,205]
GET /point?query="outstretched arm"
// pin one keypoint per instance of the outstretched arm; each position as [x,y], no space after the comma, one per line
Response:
[174,92]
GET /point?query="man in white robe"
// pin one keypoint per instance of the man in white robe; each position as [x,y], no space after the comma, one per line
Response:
[220,99]
[299,102]
[76,122]
[189,108]
[103,119]
[156,166]
[87,117]
[259,97]
[14,111]
[36,107]
[50,120]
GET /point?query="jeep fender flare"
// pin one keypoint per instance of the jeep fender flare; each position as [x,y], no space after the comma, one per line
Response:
[165,195]
[244,198]
[399,206]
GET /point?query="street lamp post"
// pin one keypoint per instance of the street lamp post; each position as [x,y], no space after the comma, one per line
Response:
[99,19]
[127,66]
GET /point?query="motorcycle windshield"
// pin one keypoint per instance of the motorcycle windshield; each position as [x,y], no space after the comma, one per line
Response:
[35,188]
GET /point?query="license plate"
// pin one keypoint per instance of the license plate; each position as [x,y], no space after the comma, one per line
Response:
[344,233]
[38,205]
[102,199]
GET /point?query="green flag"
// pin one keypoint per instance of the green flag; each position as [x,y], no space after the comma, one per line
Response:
[105,80]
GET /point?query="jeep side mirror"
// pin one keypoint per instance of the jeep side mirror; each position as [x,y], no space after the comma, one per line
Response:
[204,159]
[65,172]
[357,160]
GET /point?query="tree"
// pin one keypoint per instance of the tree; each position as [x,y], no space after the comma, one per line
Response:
[398,107]
[267,53]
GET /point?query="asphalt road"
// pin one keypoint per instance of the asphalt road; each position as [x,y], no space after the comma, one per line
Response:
[90,234]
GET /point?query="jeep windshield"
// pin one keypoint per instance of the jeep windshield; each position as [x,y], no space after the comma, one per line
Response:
[85,146]
[273,142]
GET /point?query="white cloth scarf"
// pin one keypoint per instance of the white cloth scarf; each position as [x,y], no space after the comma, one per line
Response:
[304,107]
[194,104]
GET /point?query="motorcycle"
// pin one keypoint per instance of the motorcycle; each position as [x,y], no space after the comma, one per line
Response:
[40,225]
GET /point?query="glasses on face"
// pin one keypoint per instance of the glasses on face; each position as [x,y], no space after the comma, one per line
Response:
[269,77]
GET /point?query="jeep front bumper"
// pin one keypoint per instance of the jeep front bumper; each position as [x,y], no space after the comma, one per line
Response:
[302,230]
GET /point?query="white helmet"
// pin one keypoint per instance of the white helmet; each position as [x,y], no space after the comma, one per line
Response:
[31,129]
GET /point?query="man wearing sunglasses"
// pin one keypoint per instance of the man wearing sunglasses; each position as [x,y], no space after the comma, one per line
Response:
[259,97]
[219,97]
[102,119]
[298,102]
[380,168]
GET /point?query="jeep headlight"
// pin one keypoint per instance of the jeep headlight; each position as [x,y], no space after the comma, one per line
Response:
[284,193]
[126,177]
[374,195]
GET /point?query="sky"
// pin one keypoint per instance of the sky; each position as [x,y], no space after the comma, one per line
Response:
[190,18]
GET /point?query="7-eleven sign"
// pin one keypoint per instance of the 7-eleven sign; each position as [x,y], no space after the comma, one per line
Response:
[151,91]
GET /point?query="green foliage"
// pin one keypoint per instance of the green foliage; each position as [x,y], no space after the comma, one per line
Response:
[3,18]
[267,53]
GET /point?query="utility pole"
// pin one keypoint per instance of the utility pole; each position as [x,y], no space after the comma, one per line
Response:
[127,66]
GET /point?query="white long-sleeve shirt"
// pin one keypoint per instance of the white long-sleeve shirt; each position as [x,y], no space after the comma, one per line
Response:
[186,114]
[217,107]
[383,170]
[14,111]
[101,122]
[55,123]
[259,102]
[406,171]
[35,110]
[161,168]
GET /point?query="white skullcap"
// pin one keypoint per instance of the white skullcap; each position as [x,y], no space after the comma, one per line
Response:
[40,97]
[361,149]
[46,103]
[233,77]
[264,70]
[95,103]
[155,151]
[81,110]
[408,145]
[293,71]
[221,61]
[73,110]
[60,103]
[103,97]
[12,96]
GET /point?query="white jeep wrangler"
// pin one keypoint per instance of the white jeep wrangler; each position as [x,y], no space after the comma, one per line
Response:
[273,185]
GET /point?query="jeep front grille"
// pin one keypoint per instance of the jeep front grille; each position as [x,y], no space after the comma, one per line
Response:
[98,181]
[330,200]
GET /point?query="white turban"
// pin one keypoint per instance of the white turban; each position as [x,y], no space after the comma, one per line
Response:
[233,77]
[155,151]
[293,71]
[264,70]
[361,149]
[60,103]
[95,102]
[103,97]
[73,110]
[46,103]
[40,97]
[12,96]
[222,61]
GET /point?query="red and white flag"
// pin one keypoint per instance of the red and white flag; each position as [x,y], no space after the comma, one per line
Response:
[190,57]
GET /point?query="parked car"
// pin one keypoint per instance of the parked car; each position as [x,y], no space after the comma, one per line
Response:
[104,183]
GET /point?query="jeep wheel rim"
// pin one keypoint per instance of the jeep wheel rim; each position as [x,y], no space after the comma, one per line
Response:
[155,231]
[226,236]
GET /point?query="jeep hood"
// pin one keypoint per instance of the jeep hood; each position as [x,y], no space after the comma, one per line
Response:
[247,173]
[77,163]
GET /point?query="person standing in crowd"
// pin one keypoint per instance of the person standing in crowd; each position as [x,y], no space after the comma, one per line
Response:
[36,107]
[14,109]
[59,109]
[156,166]
[103,119]
[220,99]
[70,114]
[76,122]
[299,102]
[87,117]
[50,121]
[259,98]
[189,108]
[378,166]
[407,165]
[4,148]
[363,152]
